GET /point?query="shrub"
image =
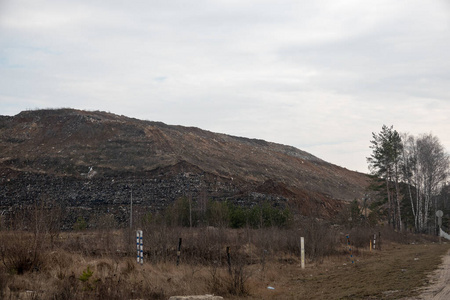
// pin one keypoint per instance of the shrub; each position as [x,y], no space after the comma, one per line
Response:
[360,236]
[80,224]
[233,282]
[85,279]
[236,281]
[320,238]
[21,253]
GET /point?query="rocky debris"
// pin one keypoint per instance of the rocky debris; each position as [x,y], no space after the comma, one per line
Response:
[111,195]
[199,297]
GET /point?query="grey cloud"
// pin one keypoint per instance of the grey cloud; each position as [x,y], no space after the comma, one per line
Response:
[318,75]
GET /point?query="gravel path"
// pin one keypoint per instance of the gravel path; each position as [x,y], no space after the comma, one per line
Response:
[440,283]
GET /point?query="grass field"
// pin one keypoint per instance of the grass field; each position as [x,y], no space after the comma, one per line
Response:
[396,272]
[102,265]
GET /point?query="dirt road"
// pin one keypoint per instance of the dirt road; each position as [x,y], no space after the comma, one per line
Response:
[440,283]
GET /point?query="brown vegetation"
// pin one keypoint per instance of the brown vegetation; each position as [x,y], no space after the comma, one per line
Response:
[102,264]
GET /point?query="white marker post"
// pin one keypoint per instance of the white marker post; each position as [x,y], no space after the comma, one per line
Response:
[137,246]
[302,246]
[140,247]
[374,241]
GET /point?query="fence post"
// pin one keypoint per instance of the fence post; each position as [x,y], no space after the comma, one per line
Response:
[179,252]
[264,260]
[379,240]
[302,251]
[229,260]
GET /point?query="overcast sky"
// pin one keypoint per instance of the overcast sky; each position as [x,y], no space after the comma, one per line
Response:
[317,75]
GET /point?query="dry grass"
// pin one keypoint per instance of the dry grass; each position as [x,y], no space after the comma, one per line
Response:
[396,272]
[101,265]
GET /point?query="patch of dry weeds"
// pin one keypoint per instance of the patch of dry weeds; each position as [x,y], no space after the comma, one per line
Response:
[396,272]
[78,269]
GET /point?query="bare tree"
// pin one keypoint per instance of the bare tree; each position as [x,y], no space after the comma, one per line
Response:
[425,167]
[434,164]
[410,177]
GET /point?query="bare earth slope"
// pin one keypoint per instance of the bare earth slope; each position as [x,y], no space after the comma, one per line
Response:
[45,148]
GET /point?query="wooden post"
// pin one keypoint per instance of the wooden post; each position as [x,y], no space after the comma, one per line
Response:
[229,260]
[379,240]
[302,251]
[179,252]
[264,260]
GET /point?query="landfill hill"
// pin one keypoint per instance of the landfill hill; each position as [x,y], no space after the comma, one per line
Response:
[94,161]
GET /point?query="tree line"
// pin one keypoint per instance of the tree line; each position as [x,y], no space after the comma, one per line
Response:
[188,213]
[413,170]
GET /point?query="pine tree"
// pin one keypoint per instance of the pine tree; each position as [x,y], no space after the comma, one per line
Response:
[385,163]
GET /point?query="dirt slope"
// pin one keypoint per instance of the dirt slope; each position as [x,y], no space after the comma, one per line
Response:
[66,143]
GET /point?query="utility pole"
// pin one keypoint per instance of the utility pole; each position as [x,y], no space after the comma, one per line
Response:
[131,209]
[190,206]
[365,206]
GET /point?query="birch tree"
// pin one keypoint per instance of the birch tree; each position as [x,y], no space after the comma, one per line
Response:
[409,176]
[434,163]
[424,169]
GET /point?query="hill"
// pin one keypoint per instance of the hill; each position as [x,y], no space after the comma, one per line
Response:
[94,161]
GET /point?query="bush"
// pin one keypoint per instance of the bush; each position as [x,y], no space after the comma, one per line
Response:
[259,216]
[236,281]
[320,238]
[80,224]
[360,237]
[232,282]
[21,253]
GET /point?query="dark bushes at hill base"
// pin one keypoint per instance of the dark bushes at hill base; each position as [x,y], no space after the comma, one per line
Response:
[187,213]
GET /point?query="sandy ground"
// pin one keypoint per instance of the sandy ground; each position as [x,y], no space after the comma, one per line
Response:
[440,283]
